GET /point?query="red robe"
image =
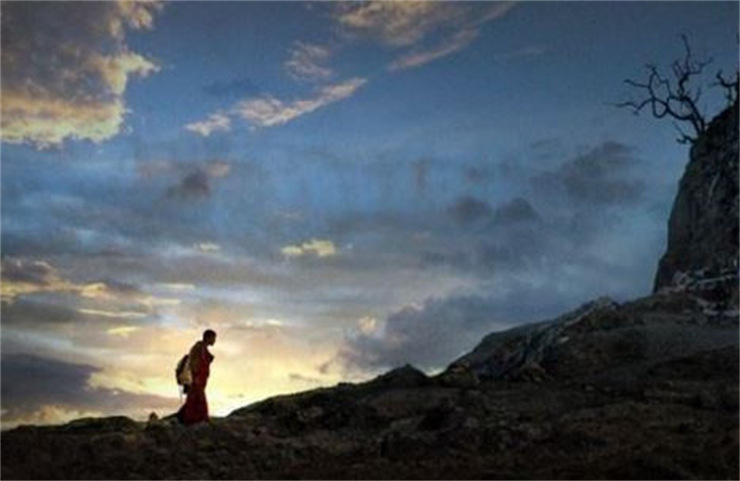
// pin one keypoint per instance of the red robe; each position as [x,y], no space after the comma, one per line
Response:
[195,409]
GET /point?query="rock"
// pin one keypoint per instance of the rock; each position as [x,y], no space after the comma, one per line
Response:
[98,425]
[402,377]
[703,226]
[519,353]
[446,415]
[459,375]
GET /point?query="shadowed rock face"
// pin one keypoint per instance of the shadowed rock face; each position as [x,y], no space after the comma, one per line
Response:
[703,227]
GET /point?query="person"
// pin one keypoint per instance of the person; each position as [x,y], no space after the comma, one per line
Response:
[195,409]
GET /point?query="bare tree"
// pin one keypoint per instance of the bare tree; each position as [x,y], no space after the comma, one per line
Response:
[676,97]
[730,86]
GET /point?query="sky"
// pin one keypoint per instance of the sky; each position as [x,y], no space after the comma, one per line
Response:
[336,188]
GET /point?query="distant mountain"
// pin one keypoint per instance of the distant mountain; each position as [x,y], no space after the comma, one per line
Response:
[643,390]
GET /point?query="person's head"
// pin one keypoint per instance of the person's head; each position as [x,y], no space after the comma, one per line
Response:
[209,337]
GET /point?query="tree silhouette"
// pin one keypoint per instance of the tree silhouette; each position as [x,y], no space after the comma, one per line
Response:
[676,96]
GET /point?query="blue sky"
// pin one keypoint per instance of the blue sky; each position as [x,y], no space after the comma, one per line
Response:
[336,188]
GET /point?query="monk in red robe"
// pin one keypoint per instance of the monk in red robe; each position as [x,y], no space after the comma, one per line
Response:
[195,409]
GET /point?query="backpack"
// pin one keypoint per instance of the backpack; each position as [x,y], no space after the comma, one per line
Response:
[182,372]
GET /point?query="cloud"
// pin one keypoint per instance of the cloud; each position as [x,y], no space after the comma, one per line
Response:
[421,31]
[59,300]
[428,336]
[65,68]
[602,175]
[22,276]
[38,313]
[515,211]
[477,175]
[123,331]
[268,111]
[308,62]
[448,46]
[196,184]
[114,314]
[316,247]
[216,122]
[218,169]
[468,209]
[300,378]
[397,24]
[39,389]
[208,247]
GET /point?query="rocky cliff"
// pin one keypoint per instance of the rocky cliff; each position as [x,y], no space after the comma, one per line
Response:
[703,227]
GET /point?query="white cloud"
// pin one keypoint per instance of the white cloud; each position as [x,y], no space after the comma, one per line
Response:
[208,247]
[421,31]
[367,325]
[216,122]
[319,248]
[308,62]
[268,111]
[450,45]
[397,24]
[66,66]
[123,331]
[218,169]
[114,314]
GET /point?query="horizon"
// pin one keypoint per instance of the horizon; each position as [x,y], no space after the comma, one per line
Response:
[336,188]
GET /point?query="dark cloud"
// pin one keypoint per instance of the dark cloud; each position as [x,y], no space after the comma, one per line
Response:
[425,336]
[195,185]
[38,313]
[30,383]
[468,209]
[39,273]
[434,334]
[516,211]
[238,87]
[304,379]
[601,176]
[478,174]
[29,379]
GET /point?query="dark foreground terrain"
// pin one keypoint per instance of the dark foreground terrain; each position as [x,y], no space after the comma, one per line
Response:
[645,390]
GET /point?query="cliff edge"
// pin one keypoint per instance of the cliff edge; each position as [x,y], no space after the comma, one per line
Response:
[703,226]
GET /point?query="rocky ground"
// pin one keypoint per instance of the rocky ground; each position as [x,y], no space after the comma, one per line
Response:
[643,390]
